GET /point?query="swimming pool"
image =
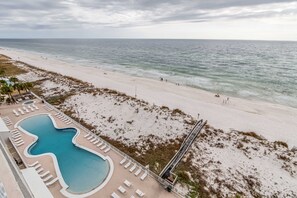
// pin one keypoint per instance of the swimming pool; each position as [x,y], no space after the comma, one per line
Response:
[82,170]
[28,102]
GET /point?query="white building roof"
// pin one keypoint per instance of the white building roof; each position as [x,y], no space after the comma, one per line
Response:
[36,185]
[3,127]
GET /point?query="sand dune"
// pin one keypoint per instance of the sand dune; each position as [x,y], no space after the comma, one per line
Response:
[273,121]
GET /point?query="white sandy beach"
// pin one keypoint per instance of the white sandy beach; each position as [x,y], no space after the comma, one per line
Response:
[273,121]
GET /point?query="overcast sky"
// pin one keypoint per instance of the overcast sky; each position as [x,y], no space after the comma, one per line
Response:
[188,19]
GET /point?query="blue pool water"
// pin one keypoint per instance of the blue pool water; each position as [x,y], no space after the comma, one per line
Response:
[82,170]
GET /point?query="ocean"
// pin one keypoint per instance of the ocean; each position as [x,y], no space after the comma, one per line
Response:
[255,70]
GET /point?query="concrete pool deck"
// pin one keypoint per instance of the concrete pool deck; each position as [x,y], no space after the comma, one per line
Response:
[150,186]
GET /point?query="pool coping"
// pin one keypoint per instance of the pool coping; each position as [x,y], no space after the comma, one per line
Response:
[56,166]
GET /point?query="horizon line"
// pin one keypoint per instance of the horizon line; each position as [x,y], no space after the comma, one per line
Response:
[119,38]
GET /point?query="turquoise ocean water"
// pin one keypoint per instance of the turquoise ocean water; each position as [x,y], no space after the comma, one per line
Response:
[260,70]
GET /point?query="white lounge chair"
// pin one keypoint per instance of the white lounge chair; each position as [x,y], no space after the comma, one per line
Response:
[26,110]
[39,170]
[47,178]
[93,140]
[122,189]
[127,183]
[20,144]
[51,182]
[133,168]
[96,142]
[37,166]
[31,108]
[107,149]
[16,136]
[115,195]
[21,111]
[144,175]
[17,140]
[35,106]
[87,135]
[34,164]
[98,145]
[128,164]
[15,133]
[15,113]
[90,137]
[103,147]
[138,171]
[123,160]
[139,193]
[44,174]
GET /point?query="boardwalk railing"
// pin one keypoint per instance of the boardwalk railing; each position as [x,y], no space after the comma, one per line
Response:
[183,149]
[152,174]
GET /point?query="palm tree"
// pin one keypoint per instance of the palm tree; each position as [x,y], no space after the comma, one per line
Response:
[2,82]
[18,87]
[27,86]
[7,90]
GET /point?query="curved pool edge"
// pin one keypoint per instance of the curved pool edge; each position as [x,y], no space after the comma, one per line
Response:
[56,166]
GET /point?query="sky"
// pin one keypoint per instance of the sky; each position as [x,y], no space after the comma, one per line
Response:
[176,19]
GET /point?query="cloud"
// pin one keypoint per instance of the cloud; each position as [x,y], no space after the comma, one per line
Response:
[37,15]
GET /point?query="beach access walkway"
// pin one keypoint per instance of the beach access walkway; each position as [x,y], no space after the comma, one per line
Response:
[183,149]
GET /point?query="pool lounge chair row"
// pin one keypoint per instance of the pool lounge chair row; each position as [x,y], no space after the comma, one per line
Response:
[7,121]
[132,168]
[98,142]
[46,177]
[48,108]
[63,118]
[123,190]
[16,138]
[24,110]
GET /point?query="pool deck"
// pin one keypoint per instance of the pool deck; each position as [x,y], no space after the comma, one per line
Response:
[150,186]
